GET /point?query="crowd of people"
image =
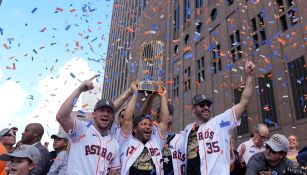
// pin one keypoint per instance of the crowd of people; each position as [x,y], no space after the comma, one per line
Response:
[124,138]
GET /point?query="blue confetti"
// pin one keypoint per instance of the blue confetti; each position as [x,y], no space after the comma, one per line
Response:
[1,31]
[188,56]
[94,39]
[89,124]
[34,10]
[67,27]
[72,75]
[34,51]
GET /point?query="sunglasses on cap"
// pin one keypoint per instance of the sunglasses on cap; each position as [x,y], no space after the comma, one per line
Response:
[205,103]
[271,150]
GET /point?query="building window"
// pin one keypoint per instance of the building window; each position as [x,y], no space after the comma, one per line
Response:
[186,39]
[230,2]
[258,27]
[176,87]
[187,79]
[266,94]
[199,27]
[287,13]
[198,7]
[187,13]
[176,21]
[216,59]
[235,46]
[213,14]
[200,70]
[298,72]
[243,128]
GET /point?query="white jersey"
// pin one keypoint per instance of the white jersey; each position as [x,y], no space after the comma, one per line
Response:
[91,153]
[214,143]
[176,147]
[131,148]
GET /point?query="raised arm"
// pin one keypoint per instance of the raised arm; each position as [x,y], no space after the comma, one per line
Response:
[248,90]
[63,115]
[127,123]
[164,113]
[118,102]
[146,108]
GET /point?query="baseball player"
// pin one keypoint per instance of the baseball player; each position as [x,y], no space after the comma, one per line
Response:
[93,150]
[141,145]
[173,151]
[207,140]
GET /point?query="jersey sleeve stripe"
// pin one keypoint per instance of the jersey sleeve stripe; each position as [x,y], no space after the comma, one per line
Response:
[160,135]
[234,116]
[123,134]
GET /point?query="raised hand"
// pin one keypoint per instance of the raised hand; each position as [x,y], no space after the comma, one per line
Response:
[241,153]
[87,84]
[134,86]
[250,68]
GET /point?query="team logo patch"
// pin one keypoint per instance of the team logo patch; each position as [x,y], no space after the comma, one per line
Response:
[224,124]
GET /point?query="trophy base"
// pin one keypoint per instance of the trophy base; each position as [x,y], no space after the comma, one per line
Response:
[149,87]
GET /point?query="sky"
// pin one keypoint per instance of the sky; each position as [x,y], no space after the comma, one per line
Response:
[47,48]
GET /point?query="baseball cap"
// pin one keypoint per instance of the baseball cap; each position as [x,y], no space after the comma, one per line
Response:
[278,143]
[23,151]
[104,103]
[138,119]
[170,109]
[302,157]
[199,98]
[5,131]
[61,135]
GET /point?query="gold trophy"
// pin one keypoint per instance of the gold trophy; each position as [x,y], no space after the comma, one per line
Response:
[150,66]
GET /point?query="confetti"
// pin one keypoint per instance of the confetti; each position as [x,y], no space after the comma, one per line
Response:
[67,27]
[72,75]
[34,10]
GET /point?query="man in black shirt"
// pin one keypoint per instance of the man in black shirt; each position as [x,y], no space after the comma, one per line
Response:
[273,160]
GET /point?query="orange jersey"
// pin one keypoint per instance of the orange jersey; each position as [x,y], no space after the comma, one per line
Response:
[2,163]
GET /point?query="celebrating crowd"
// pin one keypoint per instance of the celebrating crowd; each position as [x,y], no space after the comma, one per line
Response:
[135,142]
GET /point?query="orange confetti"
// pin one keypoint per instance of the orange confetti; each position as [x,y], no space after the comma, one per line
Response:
[72,10]
[129,28]
[145,71]
[85,105]
[282,41]
[81,137]
[43,29]
[59,9]
[186,49]
[5,46]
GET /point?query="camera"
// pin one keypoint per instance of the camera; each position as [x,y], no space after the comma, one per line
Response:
[295,171]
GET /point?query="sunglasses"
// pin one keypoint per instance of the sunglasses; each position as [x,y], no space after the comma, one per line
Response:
[205,103]
[271,150]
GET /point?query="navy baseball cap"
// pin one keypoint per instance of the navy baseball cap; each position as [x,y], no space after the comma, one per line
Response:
[104,103]
[138,119]
[200,98]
